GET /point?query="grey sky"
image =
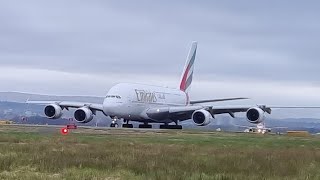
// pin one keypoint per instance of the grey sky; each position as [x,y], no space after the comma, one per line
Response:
[267,50]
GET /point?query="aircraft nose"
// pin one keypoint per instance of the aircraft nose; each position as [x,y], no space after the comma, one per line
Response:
[111,105]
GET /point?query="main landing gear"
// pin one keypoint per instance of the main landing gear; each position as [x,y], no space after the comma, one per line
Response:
[127,125]
[170,126]
[115,124]
[167,126]
[145,126]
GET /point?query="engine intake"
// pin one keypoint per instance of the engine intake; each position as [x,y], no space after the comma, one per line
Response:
[83,115]
[255,115]
[201,117]
[53,111]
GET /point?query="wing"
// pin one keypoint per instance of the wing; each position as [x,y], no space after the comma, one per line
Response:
[294,107]
[226,110]
[173,113]
[185,112]
[216,100]
[231,110]
[69,104]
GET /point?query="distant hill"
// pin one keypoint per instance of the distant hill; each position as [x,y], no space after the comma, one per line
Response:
[23,97]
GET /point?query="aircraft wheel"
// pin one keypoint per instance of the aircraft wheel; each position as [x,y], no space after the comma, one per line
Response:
[145,126]
[115,125]
[170,127]
[127,125]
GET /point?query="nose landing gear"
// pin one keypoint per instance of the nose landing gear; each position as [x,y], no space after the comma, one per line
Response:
[114,125]
[114,122]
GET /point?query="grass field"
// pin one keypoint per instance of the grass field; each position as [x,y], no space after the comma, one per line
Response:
[35,153]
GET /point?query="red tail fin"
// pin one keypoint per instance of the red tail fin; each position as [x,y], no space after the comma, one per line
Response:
[186,78]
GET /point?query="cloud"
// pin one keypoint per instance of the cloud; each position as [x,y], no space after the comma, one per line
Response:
[248,48]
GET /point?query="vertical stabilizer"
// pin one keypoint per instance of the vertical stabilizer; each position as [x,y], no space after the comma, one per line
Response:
[186,78]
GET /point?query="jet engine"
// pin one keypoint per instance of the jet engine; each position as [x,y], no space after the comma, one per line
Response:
[83,115]
[201,117]
[255,115]
[53,111]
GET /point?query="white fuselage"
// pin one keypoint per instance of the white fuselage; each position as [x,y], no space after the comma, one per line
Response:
[131,101]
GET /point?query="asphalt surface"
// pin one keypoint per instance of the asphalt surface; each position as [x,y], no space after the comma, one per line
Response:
[49,129]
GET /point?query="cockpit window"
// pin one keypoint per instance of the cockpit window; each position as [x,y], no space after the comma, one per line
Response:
[113,96]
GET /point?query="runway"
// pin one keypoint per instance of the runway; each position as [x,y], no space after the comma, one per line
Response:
[53,129]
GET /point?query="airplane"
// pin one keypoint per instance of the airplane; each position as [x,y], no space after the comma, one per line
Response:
[155,104]
[260,128]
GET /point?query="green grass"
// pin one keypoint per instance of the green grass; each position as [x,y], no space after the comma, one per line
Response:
[169,155]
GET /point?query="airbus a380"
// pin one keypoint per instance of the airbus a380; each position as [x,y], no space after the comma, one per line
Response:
[155,104]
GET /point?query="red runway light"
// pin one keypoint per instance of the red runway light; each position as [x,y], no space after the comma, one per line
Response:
[64,131]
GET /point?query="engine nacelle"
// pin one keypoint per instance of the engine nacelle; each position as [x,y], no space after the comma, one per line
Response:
[53,111]
[83,115]
[255,115]
[201,117]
